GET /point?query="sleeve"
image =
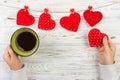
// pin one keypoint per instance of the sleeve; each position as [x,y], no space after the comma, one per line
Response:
[108,72]
[19,74]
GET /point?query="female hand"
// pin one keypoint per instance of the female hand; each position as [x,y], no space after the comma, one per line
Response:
[12,59]
[106,52]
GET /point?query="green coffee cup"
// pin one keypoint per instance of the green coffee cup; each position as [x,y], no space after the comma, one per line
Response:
[24,42]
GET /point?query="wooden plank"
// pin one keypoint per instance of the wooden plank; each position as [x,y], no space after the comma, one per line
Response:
[62,55]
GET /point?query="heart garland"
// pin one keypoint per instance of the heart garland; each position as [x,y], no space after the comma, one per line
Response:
[95,37]
[24,18]
[71,22]
[45,22]
[92,18]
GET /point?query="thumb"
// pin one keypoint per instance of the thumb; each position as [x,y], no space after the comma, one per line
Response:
[105,43]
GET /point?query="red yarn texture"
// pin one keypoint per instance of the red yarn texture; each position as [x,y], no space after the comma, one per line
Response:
[24,18]
[95,37]
[45,22]
[92,18]
[71,22]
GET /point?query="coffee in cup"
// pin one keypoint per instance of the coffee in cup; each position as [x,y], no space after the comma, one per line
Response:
[24,42]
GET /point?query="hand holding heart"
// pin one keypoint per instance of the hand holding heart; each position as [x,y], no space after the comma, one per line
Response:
[106,52]
[95,37]
[106,48]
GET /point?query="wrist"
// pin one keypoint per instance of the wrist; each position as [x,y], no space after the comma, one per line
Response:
[107,63]
[15,68]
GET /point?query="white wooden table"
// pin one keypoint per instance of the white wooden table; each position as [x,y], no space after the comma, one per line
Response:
[62,54]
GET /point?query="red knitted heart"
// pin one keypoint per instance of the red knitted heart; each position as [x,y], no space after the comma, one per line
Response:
[72,22]
[24,18]
[45,21]
[92,18]
[95,37]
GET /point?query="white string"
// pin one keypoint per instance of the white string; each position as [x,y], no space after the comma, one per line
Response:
[27,2]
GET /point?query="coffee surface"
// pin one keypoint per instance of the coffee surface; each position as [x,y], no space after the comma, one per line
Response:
[26,41]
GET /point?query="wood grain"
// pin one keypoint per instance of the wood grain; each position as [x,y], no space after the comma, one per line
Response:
[62,55]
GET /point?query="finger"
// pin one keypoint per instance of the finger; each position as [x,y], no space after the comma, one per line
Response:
[12,54]
[98,47]
[105,43]
[112,46]
[6,55]
[101,49]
